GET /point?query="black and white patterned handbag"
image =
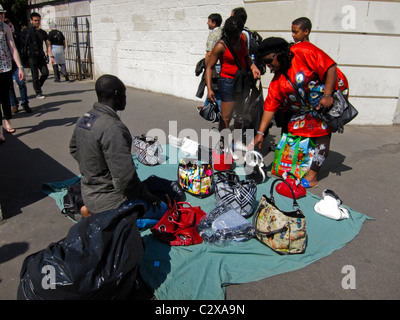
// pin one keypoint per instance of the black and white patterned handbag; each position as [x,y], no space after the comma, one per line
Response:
[240,195]
[148,150]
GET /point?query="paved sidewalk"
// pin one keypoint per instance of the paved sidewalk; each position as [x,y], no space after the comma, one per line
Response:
[362,168]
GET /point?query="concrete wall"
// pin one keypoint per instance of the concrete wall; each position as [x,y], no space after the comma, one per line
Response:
[155,44]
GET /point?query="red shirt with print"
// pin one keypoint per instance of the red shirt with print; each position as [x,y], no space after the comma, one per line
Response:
[308,74]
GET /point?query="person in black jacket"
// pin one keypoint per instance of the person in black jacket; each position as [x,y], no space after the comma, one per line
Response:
[37,58]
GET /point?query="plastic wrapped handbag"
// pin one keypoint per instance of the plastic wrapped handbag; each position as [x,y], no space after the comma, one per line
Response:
[177,227]
[282,231]
[223,225]
[196,178]
[240,195]
[148,150]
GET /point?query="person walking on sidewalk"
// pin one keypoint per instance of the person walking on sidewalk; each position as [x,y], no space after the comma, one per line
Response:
[57,41]
[23,91]
[8,51]
[37,58]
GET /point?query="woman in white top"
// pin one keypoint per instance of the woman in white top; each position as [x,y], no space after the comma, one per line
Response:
[8,51]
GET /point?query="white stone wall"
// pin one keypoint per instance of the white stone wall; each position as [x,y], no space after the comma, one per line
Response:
[154,44]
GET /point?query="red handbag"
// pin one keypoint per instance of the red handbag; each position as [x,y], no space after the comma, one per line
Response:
[177,227]
[290,184]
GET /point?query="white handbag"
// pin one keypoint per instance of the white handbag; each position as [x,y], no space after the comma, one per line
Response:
[254,166]
[330,206]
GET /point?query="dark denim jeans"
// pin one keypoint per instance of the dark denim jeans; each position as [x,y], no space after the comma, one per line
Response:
[36,66]
[22,91]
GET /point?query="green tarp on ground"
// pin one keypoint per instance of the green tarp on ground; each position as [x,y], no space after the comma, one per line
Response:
[201,272]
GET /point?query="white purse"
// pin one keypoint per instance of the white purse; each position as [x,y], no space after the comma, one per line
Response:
[254,166]
[330,206]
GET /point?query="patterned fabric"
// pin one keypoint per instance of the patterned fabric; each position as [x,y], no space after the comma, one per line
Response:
[196,179]
[283,232]
[213,38]
[5,55]
[148,150]
[239,195]
[307,73]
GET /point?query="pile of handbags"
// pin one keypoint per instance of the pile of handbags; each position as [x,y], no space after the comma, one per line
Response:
[283,231]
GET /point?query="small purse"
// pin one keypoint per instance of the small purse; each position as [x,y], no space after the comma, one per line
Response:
[210,112]
[222,158]
[282,231]
[240,195]
[298,190]
[341,112]
[196,178]
[148,150]
[177,227]
[254,166]
[331,206]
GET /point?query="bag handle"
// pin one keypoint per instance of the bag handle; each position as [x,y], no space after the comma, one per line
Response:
[296,148]
[227,175]
[289,173]
[295,204]
[334,195]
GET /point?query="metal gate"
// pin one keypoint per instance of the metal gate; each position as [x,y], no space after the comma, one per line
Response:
[78,53]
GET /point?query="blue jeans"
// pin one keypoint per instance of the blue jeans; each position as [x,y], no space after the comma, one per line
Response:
[22,91]
[225,88]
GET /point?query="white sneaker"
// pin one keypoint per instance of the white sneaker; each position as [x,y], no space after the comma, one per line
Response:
[40,96]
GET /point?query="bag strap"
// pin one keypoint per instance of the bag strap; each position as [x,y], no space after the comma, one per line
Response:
[295,204]
[232,52]
[289,173]
[297,141]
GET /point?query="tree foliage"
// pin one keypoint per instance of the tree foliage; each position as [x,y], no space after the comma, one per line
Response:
[17,11]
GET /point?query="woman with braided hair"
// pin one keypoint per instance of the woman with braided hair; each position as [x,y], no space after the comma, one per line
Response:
[304,81]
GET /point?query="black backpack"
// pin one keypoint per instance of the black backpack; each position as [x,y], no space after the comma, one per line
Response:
[254,43]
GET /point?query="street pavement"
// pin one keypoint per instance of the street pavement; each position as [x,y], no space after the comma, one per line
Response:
[362,168]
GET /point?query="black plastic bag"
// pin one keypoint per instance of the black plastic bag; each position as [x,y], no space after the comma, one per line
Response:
[97,260]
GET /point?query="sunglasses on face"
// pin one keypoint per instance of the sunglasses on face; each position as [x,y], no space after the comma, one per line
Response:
[269,60]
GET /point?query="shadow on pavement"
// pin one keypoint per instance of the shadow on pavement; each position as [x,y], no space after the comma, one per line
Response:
[23,171]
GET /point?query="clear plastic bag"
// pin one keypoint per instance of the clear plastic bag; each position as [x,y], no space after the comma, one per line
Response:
[225,225]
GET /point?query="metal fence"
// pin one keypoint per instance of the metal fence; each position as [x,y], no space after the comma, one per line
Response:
[78,53]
